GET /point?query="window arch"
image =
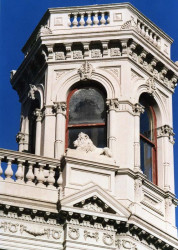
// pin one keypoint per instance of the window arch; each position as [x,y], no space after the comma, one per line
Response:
[86,112]
[148,138]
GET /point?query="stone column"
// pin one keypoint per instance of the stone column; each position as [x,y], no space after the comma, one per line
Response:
[113,107]
[137,110]
[38,115]
[60,108]
[165,133]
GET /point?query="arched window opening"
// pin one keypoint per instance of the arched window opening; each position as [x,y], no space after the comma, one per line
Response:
[86,112]
[148,139]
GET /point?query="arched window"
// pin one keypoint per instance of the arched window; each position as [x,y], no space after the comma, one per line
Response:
[86,112]
[148,139]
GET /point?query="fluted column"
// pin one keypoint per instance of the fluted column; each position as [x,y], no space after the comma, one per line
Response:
[60,108]
[38,115]
[137,110]
[113,106]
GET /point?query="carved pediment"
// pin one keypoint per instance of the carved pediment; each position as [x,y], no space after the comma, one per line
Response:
[96,200]
[95,204]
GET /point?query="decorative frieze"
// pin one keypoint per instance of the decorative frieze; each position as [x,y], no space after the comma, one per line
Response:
[91,235]
[108,239]
[77,54]
[59,55]
[96,53]
[73,233]
[85,71]
[115,52]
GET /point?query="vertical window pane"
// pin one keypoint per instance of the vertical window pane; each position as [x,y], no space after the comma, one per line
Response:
[146,159]
[146,125]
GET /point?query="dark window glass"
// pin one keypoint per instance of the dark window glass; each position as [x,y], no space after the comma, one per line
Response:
[146,159]
[86,106]
[148,140]
[86,113]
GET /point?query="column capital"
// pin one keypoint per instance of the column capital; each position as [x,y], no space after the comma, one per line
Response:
[60,107]
[166,131]
[138,109]
[20,137]
[113,104]
[38,114]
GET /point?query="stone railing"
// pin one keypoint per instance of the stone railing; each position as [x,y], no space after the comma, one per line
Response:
[148,33]
[29,169]
[88,18]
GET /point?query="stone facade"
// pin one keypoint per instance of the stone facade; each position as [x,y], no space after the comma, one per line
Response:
[90,198]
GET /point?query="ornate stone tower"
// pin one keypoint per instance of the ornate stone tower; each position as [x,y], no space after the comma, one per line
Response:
[94,168]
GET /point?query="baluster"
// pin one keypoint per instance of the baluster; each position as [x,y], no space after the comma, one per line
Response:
[155,40]
[159,42]
[69,20]
[143,29]
[102,21]
[30,176]
[51,179]
[60,180]
[139,26]
[75,22]
[108,19]
[151,36]
[89,21]
[40,176]
[82,21]
[20,173]
[1,171]
[146,33]
[9,171]
[95,19]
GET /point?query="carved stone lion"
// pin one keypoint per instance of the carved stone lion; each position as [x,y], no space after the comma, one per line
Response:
[85,144]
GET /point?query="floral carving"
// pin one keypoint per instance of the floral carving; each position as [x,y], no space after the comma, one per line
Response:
[59,55]
[96,53]
[115,52]
[138,109]
[85,71]
[34,231]
[77,54]
[74,233]
[20,137]
[92,235]
[151,86]
[93,207]
[166,130]
[60,107]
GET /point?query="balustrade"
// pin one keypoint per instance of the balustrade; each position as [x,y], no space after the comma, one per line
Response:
[88,19]
[148,33]
[29,169]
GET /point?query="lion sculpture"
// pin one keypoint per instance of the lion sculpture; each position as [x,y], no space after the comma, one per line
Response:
[85,144]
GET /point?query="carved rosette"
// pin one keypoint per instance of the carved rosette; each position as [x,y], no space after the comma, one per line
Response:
[166,131]
[113,104]
[138,109]
[77,54]
[60,107]
[85,71]
[38,114]
[59,55]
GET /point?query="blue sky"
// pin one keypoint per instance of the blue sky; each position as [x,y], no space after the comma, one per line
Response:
[18,18]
